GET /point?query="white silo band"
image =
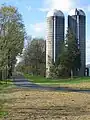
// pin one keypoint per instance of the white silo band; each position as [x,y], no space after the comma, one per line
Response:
[54,38]
[78,30]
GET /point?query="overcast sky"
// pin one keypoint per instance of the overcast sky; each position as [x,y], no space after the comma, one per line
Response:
[34,15]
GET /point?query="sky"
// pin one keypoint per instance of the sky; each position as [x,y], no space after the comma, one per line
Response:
[34,15]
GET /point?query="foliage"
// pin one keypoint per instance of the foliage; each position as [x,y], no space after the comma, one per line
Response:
[34,57]
[58,71]
[12,34]
[73,51]
[41,79]
[69,61]
[70,57]
[53,71]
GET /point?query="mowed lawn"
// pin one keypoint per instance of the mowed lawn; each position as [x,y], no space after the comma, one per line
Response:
[81,83]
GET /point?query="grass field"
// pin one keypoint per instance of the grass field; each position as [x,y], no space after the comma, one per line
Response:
[82,83]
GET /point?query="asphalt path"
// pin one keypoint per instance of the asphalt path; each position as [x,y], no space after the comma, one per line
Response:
[21,82]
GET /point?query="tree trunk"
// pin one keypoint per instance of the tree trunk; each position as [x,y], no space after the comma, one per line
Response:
[0,74]
[71,74]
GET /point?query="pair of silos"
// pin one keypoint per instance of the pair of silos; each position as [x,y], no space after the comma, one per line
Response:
[56,33]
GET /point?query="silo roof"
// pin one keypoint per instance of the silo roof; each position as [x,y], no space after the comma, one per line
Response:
[55,13]
[73,12]
[81,12]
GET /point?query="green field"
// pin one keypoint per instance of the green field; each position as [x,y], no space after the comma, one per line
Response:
[39,79]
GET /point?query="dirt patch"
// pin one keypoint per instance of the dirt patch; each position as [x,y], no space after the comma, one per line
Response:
[83,85]
[44,105]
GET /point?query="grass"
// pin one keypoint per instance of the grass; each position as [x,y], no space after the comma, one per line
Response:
[39,79]
[4,85]
[81,83]
[3,113]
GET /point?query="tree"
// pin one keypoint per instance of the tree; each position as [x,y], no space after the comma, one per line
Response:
[34,56]
[12,35]
[70,58]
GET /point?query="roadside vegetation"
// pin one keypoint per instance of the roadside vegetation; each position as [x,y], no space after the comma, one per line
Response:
[39,79]
[79,82]
[4,84]
[12,34]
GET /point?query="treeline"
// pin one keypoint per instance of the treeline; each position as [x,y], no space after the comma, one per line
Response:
[67,64]
[12,35]
[34,58]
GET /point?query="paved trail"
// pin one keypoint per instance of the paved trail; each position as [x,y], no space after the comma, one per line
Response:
[20,81]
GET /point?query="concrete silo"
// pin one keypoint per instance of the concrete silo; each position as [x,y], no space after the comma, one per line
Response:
[77,23]
[55,37]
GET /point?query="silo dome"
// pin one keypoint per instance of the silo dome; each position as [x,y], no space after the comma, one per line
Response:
[55,13]
[81,12]
[73,12]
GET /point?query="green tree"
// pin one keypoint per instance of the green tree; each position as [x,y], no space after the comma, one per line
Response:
[70,58]
[34,56]
[12,35]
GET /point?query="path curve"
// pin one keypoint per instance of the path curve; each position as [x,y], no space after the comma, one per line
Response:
[21,82]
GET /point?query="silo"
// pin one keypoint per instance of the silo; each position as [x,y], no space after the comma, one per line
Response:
[82,41]
[77,23]
[55,37]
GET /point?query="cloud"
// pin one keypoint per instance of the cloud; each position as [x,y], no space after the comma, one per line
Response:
[88,8]
[28,8]
[85,8]
[64,5]
[9,1]
[43,9]
[38,29]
